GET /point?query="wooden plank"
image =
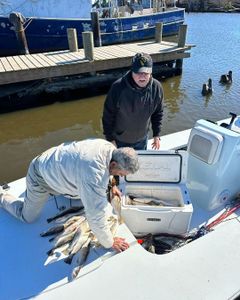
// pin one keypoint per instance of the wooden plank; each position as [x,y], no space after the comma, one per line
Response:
[79,56]
[34,61]
[66,58]
[13,63]
[44,63]
[71,59]
[98,55]
[1,67]
[26,61]
[51,57]
[123,51]
[112,54]
[60,60]
[103,53]
[45,58]
[22,65]
[6,64]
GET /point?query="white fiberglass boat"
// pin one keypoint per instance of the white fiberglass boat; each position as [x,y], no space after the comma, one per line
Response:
[202,180]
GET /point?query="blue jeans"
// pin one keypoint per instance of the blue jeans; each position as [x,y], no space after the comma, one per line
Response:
[141,145]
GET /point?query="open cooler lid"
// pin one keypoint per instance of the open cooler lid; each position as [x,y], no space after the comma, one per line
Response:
[161,167]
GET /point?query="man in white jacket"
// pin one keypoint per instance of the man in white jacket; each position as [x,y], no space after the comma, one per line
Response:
[76,170]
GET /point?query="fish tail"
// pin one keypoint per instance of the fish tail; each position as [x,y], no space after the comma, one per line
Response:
[50,220]
[68,260]
[50,252]
[75,272]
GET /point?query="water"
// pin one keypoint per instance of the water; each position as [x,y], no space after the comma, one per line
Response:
[25,134]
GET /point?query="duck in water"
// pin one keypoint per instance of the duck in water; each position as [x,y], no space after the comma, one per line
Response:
[207,88]
[226,78]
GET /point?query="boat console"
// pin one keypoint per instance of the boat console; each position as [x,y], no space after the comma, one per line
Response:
[213,163]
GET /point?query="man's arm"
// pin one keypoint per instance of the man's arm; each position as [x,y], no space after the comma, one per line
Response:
[156,118]
[109,114]
[96,208]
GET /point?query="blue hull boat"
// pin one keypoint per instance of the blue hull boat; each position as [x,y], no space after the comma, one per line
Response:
[50,34]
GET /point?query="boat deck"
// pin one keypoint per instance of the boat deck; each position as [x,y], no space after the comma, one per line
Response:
[28,67]
[204,269]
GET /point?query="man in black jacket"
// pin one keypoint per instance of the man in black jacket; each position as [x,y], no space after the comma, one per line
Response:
[133,102]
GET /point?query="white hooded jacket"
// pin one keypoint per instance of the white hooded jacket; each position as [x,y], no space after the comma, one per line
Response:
[81,170]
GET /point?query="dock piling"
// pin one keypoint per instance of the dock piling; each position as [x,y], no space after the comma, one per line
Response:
[182,35]
[72,39]
[158,32]
[96,29]
[181,43]
[18,20]
[88,45]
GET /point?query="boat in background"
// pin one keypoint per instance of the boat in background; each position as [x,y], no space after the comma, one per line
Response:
[204,187]
[46,22]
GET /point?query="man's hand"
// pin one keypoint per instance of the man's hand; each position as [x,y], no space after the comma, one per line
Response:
[114,143]
[119,244]
[156,143]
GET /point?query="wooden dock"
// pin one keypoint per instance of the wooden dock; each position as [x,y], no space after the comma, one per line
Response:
[22,68]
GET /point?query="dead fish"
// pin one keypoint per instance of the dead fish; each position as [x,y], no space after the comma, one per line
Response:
[63,240]
[77,247]
[81,235]
[59,228]
[73,219]
[53,230]
[61,249]
[116,204]
[70,228]
[113,225]
[56,255]
[83,254]
[67,211]
[67,217]
[146,201]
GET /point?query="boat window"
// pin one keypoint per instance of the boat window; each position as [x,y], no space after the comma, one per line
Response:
[205,145]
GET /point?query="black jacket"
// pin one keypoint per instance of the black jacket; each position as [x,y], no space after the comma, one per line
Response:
[128,110]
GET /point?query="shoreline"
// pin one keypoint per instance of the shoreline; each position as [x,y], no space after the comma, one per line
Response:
[221,6]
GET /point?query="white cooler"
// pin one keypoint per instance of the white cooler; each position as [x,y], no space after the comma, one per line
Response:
[162,176]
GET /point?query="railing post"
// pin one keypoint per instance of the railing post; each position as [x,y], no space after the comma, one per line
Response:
[96,29]
[88,45]
[158,32]
[18,20]
[72,39]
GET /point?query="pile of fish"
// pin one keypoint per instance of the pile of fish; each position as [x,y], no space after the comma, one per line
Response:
[162,243]
[141,200]
[73,237]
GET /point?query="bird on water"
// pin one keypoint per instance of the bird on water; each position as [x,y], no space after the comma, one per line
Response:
[226,78]
[207,88]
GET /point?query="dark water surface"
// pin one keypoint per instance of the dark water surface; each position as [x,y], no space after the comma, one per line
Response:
[25,134]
